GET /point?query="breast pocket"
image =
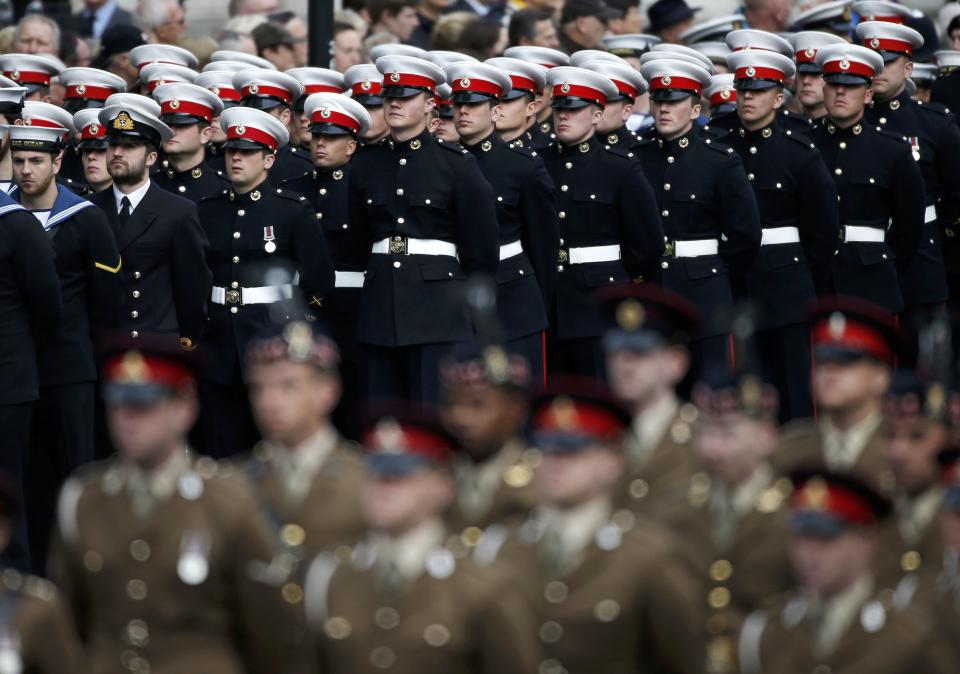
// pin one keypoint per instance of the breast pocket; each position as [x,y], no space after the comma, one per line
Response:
[708,266]
[598,206]
[429,200]
[600,274]
[442,271]
[776,199]
[784,255]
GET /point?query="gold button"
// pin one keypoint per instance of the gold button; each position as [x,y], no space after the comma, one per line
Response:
[550,632]
[137,589]
[436,635]
[140,550]
[719,597]
[717,623]
[337,628]
[292,593]
[93,561]
[556,592]
[721,570]
[387,618]
[382,657]
[910,561]
[471,536]
[293,535]
[606,611]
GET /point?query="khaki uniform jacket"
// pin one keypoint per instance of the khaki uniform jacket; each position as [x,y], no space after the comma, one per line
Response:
[455,618]
[898,559]
[190,588]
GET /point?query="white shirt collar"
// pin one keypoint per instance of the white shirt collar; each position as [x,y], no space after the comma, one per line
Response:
[578,526]
[842,449]
[409,551]
[135,197]
[650,426]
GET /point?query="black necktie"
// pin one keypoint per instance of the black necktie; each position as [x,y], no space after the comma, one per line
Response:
[124,214]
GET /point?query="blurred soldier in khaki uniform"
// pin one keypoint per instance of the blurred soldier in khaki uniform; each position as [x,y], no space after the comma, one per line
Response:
[835,622]
[943,590]
[401,599]
[36,633]
[730,519]
[164,559]
[647,357]
[855,348]
[484,406]
[608,593]
[306,477]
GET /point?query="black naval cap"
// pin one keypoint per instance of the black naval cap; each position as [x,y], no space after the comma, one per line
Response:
[403,437]
[644,317]
[132,124]
[825,503]
[142,371]
[574,413]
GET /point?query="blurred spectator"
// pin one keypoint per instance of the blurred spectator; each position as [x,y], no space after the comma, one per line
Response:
[552,6]
[75,51]
[245,24]
[533,27]
[6,39]
[394,16]
[164,20]
[297,27]
[769,15]
[114,56]
[375,39]
[483,38]
[583,23]
[953,32]
[446,34]
[98,15]
[37,34]
[201,46]
[233,41]
[347,47]
[276,44]
[670,18]
[492,10]
[632,21]
[428,11]
[353,18]
[248,7]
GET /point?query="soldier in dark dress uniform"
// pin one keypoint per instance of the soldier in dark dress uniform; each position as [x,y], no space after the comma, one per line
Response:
[220,82]
[441,125]
[612,129]
[609,227]
[526,202]
[519,105]
[540,132]
[189,111]
[313,81]
[708,210]
[366,86]
[264,243]
[879,184]
[808,86]
[86,88]
[92,149]
[275,93]
[721,95]
[428,214]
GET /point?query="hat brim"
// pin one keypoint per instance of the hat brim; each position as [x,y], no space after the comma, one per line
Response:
[445,111]
[403,92]
[817,524]
[134,137]
[755,84]
[809,68]
[261,102]
[397,465]
[74,105]
[839,354]
[326,129]
[891,56]
[92,144]
[562,443]
[180,119]
[514,94]
[639,341]
[846,79]
[472,97]
[369,100]
[244,144]
[670,95]
[571,103]
[135,395]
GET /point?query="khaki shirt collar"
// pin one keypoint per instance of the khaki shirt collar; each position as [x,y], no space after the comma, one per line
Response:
[842,449]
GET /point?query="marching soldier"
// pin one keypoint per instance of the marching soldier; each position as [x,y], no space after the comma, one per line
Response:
[400,599]
[809,81]
[721,95]
[164,275]
[708,210]
[181,578]
[605,595]
[313,81]
[429,214]
[519,106]
[156,74]
[88,266]
[86,88]
[526,201]
[275,93]
[612,129]
[647,350]
[440,120]
[880,187]
[366,86]
[854,348]
[631,48]
[837,620]
[541,132]
[306,477]
[609,228]
[38,113]
[797,202]
[11,103]
[32,71]
[263,243]
[92,149]
[220,82]
[935,144]
[189,111]
[484,407]
[834,17]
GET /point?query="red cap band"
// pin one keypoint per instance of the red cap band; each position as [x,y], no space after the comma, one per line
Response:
[367,87]
[561,90]
[684,83]
[39,121]
[723,96]
[886,44]
[408,80]
[523,83]
[820,496]
[325,116]
[852,68]
[136,368]
[178,107]
[469,84]
[25,77]
[240,131]
[807,56]
[752,72]
[575,417]
[321,89]
[950,473]
[262,90]
[853,335]
[888,19]
[411,440]
[88,92]
[625,89]
[92,131]
[226,93]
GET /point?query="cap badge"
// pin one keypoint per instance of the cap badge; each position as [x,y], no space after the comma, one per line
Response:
[240,129]
[465,82]
[81,89]
[254,89]
[565,88]
[875,42]
[837,325]
[630,315]
[174,104]
[751,71]
[123,122]
[394,77]
[809,52]
[564,413]
[215,90]
[666,80]
[133,368]
[325,113]
[388,437]
[94,129]
[299,338]
[725,94]
[365,85]
[844,64]
[15,75]
[815,494]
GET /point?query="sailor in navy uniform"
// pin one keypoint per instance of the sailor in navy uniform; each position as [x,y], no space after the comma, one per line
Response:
[518,107]
[220,82]
[85,88]
[526,201]
[721,95]
[365,83]
[275,93]
[38,113]
[541,133]
[797,201]
[808,90]
[935,144]
[428,214]
[264,241]
[880,186]
[189,111]
[313,81]
[609,227]
[708,210]
[612,129]
[88,266]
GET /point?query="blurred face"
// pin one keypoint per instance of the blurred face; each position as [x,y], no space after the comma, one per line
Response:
[298,29]
[758,108]
[395,505]
[406,117]
[632,22]
[675,118]
[810,90]
[950,528]
[569,479]
[545,35]
[827,566]
[843,386]
[891,81]
[482,417]
[347,50]
[378,125]
[82,56]
[148,435]
[290,401]
[217,135]
[614,116]
[187,140]
[128,162]
[575,125]
[513,117]
[733,446]
[172,30]
[282,56]
[35,37]
[590,30]
[671,34]
[402,24]
[332,151]
[248,168]
[34,172]
[445,129]
[475,121]
[844,103]
[911,447]
[639,379]
[95,168]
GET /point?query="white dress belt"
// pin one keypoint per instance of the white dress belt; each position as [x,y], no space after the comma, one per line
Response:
[695,248]
[863,234]
[509,250]
[587,254]
[348,279]
[930,213]
[260,295]
[399,245]
[775,235]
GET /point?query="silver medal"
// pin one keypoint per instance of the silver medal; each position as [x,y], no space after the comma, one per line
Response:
[270,246]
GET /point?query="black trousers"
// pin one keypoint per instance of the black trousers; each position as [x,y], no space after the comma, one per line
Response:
[405,372]
[14,445]
[581,356]
[531,347]
[225,427]
[62,441]
[784,355]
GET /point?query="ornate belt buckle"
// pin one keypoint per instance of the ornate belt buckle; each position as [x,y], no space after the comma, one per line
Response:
[398,245]
[564,256]
[233,297]
[669,251]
